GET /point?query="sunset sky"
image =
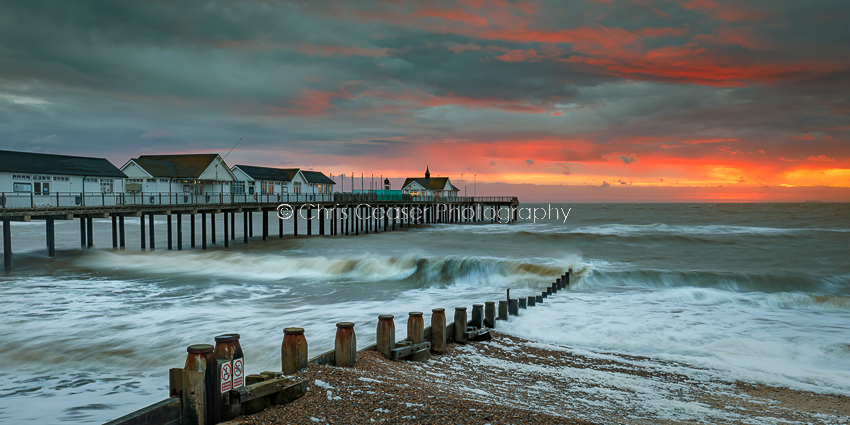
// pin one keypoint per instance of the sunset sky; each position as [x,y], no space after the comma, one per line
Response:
[605,100]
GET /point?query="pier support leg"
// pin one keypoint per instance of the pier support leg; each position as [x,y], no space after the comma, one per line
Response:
[203,230]
[114,232]
[179,232]
[265,224]
[251,224]
[309,221]
[321,221]
[168,227]
[226,230]
[294,223]
[142,233]
[192,230]
[90,233]
[279,226]
[83,233]
[150,232]
[121,241]
[7,244]
[232,226]
[212,228]
[245,219]
[51,237]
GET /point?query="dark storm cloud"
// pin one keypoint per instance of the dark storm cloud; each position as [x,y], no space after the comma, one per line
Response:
[384,79]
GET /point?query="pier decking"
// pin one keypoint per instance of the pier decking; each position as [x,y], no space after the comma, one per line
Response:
[337,214]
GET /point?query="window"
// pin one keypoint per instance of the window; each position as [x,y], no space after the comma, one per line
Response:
[21,177]
[60,179]
[238,188]
[42,188]
[163,180]
[22,187]
[268,188]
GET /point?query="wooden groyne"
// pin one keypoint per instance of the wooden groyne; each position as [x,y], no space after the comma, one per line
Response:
[335,215]
[212,386]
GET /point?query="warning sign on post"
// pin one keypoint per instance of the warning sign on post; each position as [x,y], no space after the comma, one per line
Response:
[226,375]
[238,372]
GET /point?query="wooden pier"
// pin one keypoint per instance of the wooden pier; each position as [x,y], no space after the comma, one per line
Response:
[337,214]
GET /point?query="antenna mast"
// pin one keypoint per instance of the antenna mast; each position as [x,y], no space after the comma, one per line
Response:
[231,149]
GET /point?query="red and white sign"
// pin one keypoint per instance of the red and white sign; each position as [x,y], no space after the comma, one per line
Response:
[238,372]
[226,375]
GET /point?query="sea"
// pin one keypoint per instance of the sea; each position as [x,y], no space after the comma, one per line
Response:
[755,292]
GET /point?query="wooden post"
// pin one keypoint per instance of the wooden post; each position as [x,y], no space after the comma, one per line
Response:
[170,237]
[192,230]
[142,234]
[478,315]
[83,233]
[265,224]
[532,301]
[567,276]
[51,237]
[197,387]
[89,232]
[293,351]
[321,221]
[121,242]
[245,219]
[438,330]
[226,231]
[151,232]
[538,300]
[415,327]
[490,314]
[114,232]
[179,232]
[522,302]
[203,230]
[513,306]
[460,324]
[7,244]
[503,310]
[345,345]
[385,340]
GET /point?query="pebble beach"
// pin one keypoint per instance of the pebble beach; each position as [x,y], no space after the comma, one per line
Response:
[510,380]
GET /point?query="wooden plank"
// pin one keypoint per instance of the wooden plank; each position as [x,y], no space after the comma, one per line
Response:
[166,412]
[262,389]
[193,398]
[401,352]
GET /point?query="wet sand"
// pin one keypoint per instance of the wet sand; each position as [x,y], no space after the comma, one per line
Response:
[513,381]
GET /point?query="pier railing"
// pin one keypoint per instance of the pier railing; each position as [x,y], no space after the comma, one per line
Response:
[15,200]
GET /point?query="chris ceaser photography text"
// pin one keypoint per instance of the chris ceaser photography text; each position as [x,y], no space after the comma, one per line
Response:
[367,211]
